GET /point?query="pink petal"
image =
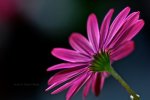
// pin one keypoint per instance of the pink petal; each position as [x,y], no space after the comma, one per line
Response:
[105,74]
[102,77]
[105,27]
[130,32]
[138,26]
[69,55]
[81,44]
[63,76]
[87,87]
[64,65]
[122,51]
[65,86]
[96,84]
[116,24]
[131,19]
[77,85]
[93,32]
[102,80]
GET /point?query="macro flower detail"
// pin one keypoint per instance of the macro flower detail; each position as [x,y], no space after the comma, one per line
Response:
[89,64]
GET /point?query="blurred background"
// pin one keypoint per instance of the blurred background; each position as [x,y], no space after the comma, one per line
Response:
[29,29]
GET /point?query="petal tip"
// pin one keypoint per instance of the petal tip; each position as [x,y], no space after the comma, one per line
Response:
[48,69]
[112,10]
[53,51]
[138,12]
[127,8]
[74,34]
[92,16]
[143,22]
[46,90]
[53,93]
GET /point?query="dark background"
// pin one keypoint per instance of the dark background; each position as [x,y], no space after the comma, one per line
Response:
[29,29]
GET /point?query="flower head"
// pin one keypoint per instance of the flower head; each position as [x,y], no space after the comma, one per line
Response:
[86,64]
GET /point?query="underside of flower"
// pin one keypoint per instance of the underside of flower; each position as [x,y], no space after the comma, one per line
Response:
[101,62]
[112,42]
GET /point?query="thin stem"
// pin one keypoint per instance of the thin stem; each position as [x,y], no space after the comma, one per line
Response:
[132,93]
[102,63]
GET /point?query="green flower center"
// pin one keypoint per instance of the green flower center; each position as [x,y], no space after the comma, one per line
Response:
[101,62]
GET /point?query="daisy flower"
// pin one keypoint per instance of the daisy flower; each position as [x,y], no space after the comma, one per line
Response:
[89,63]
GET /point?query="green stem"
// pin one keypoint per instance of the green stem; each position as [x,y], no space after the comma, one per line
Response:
[132,93]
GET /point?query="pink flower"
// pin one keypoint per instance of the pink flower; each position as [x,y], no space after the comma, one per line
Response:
[113,41]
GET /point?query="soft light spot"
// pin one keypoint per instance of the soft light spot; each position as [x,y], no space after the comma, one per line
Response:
[132,97]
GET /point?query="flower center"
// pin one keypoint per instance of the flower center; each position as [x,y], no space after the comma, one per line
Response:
[101,62]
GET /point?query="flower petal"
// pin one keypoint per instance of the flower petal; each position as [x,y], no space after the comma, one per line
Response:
[102,80]
[116,24]
[105,74]
[65,86]
[64,65]
[105,27]
[87,87]
[130,32]
[69,55]
[81,44]
[93,32]
[63,76]
[131,19]
[77,85]
[96,84]
[134,30]
[122,51]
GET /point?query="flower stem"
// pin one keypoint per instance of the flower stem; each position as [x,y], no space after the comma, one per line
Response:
[132,93]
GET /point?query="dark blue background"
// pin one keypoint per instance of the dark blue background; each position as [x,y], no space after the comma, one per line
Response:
[27,39]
